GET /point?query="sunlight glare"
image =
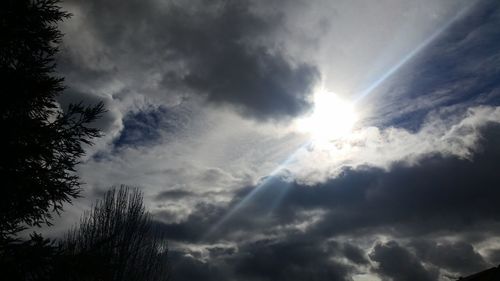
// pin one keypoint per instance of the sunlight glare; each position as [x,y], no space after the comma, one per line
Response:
[332,118]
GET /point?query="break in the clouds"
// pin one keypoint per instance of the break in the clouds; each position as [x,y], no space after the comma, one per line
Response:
[203,102]
[459,68]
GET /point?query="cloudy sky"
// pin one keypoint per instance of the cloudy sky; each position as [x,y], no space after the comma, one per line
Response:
[298,140]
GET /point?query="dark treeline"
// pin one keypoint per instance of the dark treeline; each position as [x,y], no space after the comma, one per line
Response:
[40,146]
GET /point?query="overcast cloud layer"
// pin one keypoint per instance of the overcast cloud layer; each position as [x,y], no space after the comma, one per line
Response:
[202,98]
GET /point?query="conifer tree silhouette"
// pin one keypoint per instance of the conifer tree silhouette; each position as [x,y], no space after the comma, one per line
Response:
[40,143]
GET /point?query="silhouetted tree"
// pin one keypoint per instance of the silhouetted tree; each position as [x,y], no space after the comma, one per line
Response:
[40,143]
[31,259]
[116,240]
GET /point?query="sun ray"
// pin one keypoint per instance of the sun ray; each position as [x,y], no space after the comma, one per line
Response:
[363,94]
[331,119]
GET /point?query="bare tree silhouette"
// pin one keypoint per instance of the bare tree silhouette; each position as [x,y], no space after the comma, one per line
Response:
[116,240]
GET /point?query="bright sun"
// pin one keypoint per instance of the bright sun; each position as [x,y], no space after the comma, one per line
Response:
[332,118]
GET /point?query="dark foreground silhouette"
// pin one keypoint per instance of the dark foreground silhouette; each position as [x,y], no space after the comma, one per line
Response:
[41,142]
[492,274]
[40,146]
[115,240]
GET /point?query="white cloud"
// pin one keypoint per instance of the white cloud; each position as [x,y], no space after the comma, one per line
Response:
[371,146]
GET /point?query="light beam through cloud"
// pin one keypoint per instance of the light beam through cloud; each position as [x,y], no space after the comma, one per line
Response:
[234,210]
[412,54]
[275,173]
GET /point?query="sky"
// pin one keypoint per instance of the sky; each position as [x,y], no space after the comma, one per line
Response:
[297,140]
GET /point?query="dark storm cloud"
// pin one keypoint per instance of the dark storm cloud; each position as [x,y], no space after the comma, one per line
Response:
[458,257]
[174,194]
[494,256]
[208,221]
[441,195]
[197,224]
[231,68]
[188,268]
[289,260]
[459,68]
[220,49]
[399,264]
[354,254]
[266,259]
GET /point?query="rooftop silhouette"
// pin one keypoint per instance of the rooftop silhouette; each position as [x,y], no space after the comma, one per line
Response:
[492,274]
